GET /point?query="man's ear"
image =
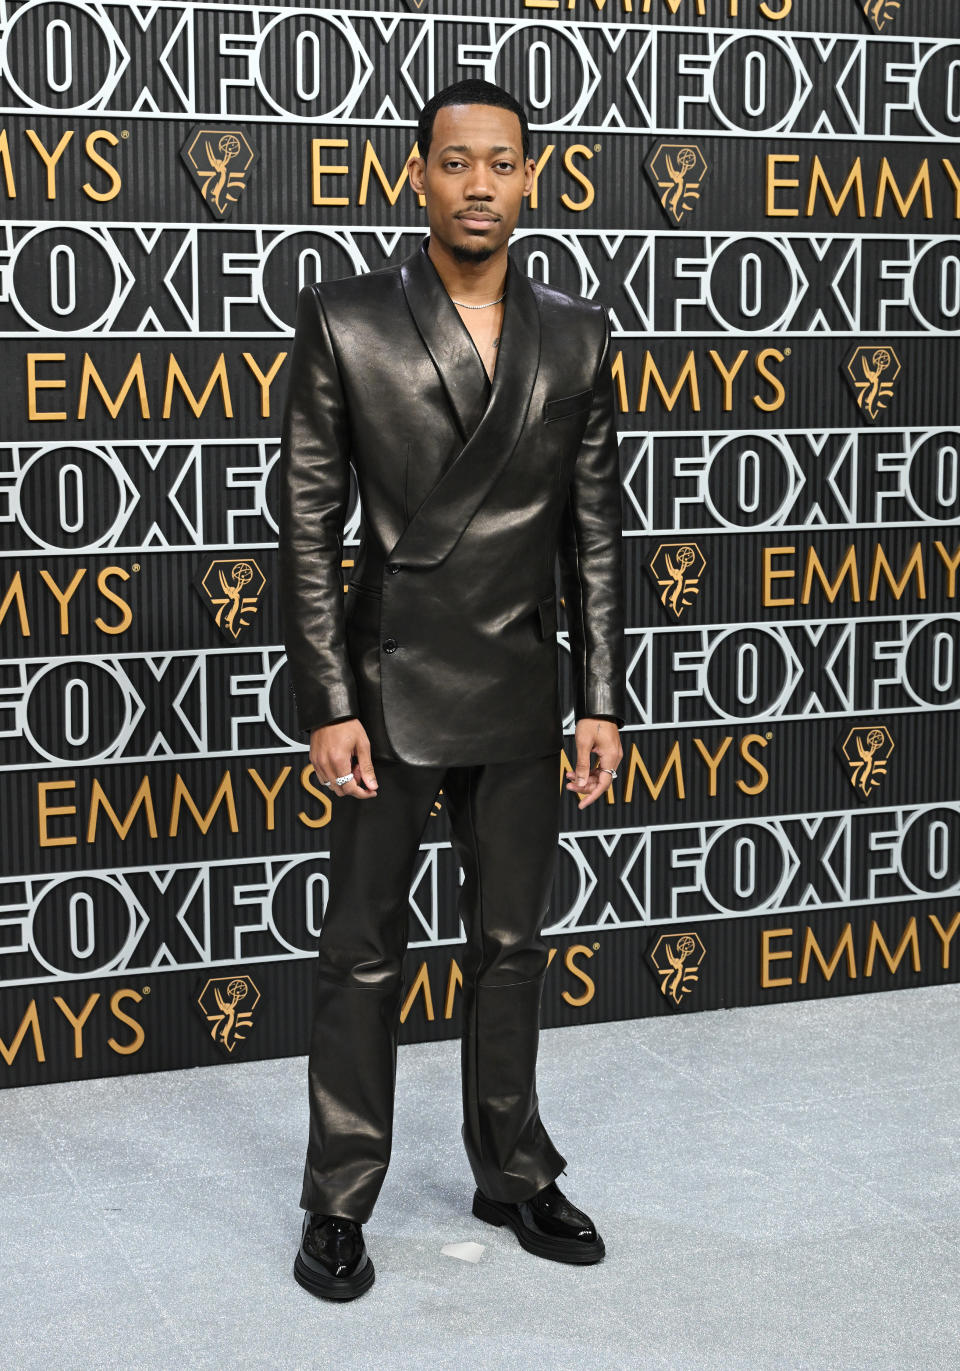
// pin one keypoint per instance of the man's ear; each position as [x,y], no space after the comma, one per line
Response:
[529,175]
[416,166]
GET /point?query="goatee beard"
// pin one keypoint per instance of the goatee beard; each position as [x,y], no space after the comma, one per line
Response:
[463,253]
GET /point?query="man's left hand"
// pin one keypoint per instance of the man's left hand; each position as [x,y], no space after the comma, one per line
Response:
[602,737]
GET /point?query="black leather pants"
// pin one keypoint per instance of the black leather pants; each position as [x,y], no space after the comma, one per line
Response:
[505,820]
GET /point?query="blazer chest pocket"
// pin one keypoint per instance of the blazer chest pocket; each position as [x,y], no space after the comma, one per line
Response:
[547,615]
[561,406]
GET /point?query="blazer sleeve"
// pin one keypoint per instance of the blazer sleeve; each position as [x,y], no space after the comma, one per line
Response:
[590,553]
[314,487]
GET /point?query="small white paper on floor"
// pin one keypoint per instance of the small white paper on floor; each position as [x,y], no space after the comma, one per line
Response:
[466,1251]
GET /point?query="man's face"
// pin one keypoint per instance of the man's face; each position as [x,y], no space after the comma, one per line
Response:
[474,179]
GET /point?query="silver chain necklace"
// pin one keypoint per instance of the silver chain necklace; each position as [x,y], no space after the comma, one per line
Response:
[464,305]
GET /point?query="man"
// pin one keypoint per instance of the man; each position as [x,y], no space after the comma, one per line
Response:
[476,407]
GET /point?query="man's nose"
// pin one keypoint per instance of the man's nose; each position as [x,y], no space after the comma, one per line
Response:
[479,185]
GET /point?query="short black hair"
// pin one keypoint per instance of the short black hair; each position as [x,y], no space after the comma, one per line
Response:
[470,92]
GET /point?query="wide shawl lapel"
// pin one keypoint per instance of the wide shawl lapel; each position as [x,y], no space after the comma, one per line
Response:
[490,433]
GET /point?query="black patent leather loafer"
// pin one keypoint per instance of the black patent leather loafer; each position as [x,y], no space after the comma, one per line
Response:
[333,1261]
[547,1225]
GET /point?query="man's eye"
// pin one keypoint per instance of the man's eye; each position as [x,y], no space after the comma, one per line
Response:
[508,165]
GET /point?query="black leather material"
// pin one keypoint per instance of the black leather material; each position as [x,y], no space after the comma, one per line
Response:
[549,1211]
[504,821]
[547,1224]
[333,1261]
[336,1244]
[471,492]
[562,406]
[547,615]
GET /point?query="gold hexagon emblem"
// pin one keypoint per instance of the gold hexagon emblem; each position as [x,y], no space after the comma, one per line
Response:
[676,172]
[219,1001]
[677,569]
[676,958]
[872,372]
[220,161]
[231,589]
[866,750]
[880,13]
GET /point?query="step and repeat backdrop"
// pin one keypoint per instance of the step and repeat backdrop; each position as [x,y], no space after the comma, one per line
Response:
[765,196]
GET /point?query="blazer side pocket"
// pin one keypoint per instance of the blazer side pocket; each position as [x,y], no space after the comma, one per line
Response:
[547,614]
[560,406]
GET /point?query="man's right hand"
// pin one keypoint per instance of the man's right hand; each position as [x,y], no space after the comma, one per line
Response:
[336,749]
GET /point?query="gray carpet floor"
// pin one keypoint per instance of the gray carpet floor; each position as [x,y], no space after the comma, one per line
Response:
[777,1188]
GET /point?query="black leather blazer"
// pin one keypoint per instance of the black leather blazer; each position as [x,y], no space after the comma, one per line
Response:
[445,641]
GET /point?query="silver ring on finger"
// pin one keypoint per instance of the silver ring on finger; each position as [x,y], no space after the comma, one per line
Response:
[342,780]
[610,769]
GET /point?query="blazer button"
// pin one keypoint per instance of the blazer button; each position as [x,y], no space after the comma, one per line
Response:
[390,644]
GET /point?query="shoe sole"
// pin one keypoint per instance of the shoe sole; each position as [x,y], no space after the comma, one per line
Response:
[554,1249]
[333,1287]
